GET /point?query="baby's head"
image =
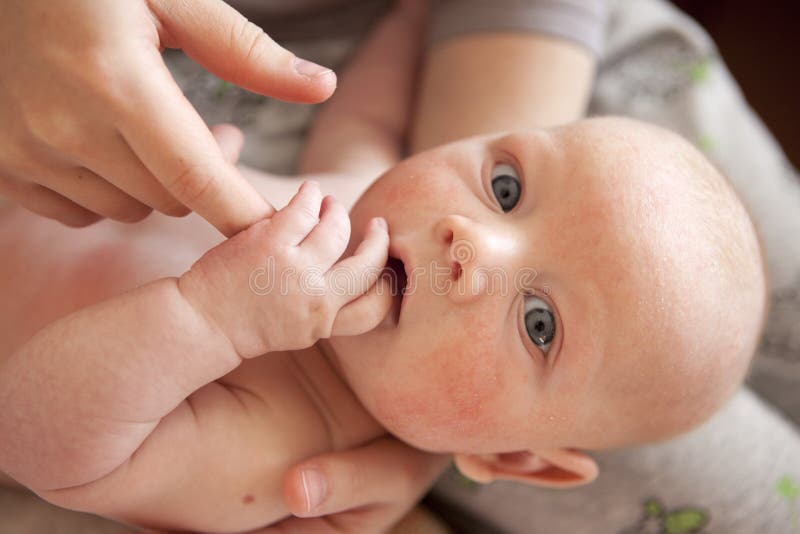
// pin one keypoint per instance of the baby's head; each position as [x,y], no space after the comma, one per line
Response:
[587,287]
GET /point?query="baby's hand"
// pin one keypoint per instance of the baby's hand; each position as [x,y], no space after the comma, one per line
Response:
[278,285]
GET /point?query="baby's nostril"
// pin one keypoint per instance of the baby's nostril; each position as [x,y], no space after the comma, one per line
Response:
[448,237]
[456,270]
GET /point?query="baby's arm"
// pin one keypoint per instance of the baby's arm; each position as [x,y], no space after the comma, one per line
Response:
[508,78]
[83,394]
[86,391]
[361,130]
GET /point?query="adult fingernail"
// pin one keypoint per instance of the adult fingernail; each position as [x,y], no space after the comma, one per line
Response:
[309,69]
[314,486]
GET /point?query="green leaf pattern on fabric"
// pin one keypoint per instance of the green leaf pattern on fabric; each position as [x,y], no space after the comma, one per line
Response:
[787,488]
[685,521]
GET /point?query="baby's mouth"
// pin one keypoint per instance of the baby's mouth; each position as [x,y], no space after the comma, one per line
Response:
[398,279]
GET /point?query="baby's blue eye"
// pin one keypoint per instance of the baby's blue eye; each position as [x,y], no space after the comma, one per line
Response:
[506,186]
[539,322]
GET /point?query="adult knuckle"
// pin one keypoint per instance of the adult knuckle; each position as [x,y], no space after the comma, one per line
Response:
[193,183]
[60,132]
[250,42]
[136,214]
[127,210]
[104,78]
[163,202]
[77,220]
[93,56]
[173,208]
[243,34]
[99,68]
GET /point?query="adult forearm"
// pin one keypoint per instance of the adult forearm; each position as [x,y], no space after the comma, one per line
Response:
[85,391]
[491,82]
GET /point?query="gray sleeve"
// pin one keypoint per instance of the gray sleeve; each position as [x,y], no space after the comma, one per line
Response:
[580,21]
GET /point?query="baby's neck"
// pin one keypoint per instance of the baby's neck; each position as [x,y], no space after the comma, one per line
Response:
[347,422]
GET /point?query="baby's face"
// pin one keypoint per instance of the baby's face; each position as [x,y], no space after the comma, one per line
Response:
[543,296]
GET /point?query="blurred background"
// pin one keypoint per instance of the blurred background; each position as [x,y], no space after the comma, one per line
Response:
[759,41]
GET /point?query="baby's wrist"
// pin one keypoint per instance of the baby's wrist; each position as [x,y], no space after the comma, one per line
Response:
[196,296]
[225,317]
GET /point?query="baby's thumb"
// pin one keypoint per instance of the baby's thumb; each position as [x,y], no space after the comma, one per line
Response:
[223,41]
[366,312]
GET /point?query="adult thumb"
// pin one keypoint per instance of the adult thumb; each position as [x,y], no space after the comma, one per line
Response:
[223,41]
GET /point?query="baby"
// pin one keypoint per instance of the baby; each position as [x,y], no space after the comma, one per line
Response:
[640,306]
[586,287]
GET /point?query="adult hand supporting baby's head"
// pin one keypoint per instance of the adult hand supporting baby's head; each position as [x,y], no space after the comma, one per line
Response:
[367,489]
[95,126]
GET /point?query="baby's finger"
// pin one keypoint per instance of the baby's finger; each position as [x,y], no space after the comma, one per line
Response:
[366,312]
[293,223]
[328,239]
[365,265]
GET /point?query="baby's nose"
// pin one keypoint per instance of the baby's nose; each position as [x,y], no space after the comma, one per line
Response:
[477,256]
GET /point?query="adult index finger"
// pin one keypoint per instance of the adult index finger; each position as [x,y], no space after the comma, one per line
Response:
[176,146]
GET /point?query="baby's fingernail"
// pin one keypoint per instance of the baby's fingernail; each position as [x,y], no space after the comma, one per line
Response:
[312,183]
[309,69]
[381,222]
[315,488]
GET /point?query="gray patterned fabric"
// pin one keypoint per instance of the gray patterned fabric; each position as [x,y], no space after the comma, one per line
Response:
[723,478]
[581,21]
[739,473]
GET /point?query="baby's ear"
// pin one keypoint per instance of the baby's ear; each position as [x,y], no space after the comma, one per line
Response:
[554,468]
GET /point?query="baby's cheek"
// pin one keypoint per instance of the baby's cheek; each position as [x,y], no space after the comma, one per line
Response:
[424,187]
[450,398]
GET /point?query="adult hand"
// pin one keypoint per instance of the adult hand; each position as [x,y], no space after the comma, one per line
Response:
[368,489]
[94,125]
